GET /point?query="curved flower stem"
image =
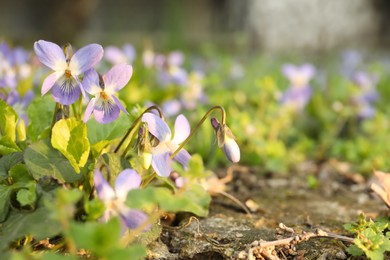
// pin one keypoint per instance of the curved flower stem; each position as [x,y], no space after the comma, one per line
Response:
[196,128]
[133,127]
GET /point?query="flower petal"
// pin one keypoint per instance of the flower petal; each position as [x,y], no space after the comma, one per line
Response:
[182,157]
[127,180]
[103,189]
[85,58]
[134,218]
[91,82]
[289,71]
[119,104]
[50,54]
[161,163]
[50,80]
[307,70]
[182,129]
[157,127]
[66,91]
[89,109]
[117,77]
[106,113]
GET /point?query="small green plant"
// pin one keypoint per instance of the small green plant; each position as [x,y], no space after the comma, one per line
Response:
[372,238]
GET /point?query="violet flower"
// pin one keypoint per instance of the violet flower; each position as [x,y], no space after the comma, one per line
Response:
[367,95]
[117,56]
[64,82]
[114,199]
[161,154]
[299,92]
[20,104]
[105,105]
[170,70]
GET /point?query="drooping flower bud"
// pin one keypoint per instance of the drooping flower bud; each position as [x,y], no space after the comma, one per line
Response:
[144,146]
[226,140]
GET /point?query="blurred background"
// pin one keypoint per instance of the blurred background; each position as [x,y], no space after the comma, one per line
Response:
[310,25]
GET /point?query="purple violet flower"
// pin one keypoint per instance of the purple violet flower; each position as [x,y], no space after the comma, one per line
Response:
[20,105]
[161,161]
[299,92]
[64,82]
[367,95]
[117,56]
[105,105]
[114,199]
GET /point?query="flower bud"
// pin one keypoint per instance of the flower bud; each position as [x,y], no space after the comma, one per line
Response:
[226,140]
[144,146]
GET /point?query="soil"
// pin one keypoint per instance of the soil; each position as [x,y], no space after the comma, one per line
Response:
[302,206]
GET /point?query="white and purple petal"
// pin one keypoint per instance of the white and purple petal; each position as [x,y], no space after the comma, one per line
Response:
[157,127]
[161,164]
[134,218]
[127,180]
[50,54]
[182,129]
[231,150]
[103,189]
[50,80]
[182,157]
[89,109]
[91,82]
[105,112]
[85,58]
[119,104]
[66,91]
[117,77]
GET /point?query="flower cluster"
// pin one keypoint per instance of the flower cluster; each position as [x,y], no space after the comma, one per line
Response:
[66,85]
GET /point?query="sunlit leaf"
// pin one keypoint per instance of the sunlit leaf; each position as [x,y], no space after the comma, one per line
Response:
[69,136]
[8,119]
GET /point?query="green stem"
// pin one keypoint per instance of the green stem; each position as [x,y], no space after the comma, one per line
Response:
[196,128]
[134,126]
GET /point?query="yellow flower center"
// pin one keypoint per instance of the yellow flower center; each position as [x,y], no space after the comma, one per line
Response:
[68,74]
[104,95]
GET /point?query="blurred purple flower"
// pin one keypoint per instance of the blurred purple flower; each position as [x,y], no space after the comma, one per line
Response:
[7,69]
[350,61]
[161,161]
[64,83]
[114,199]
[367,94]
[169,69]
[105,105]
[117,56]
[299,92]
[20,105]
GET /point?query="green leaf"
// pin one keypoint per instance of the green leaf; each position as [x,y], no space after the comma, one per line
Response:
[8,119]
[195,199]
[6,163]
[8,146]
[69,136]
[132,252]
[116,164]
[40,112]
[99,238]
[354,250]
[54,256]
[98,132]
[5,195]
[43,160]
[36,223]
[27,196]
